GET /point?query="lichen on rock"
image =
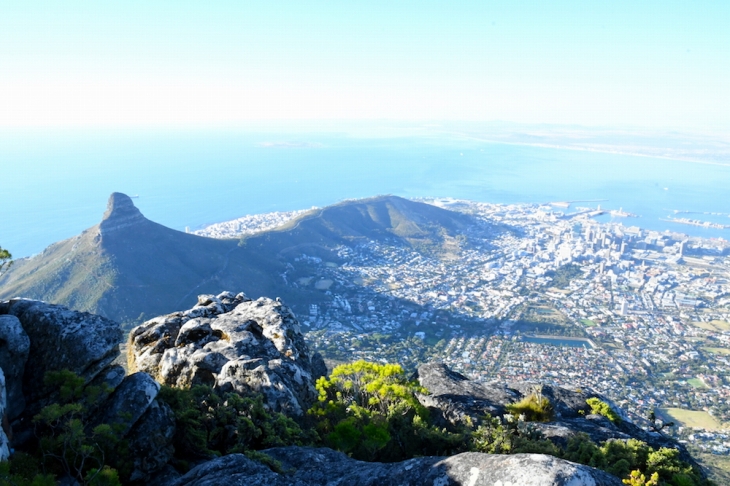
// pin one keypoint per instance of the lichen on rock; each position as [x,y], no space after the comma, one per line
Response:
[232,343]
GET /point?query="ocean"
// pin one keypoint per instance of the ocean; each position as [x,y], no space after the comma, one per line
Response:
[56,184]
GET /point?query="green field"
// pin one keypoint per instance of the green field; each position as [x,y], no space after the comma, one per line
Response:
[715,326]
[587,322]
[692,418]
[696,383]
[323,284]
[717,350]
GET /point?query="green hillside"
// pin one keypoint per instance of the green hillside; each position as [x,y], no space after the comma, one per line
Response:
[128,267]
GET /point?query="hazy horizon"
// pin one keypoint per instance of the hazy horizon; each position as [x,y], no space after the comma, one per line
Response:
[653,65]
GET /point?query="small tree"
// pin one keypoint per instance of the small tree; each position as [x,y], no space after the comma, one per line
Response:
[371,411]
[67,445]
[6,259]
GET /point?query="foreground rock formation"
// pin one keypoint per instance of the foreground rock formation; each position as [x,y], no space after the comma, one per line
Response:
[306,466]
[232,343]
[36,337]
[455,397]
[4,440]
[236,344]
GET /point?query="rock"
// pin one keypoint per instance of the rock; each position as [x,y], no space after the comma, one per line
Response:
[454,397]
[165,477]
[61,339]
[128,402]
[234,344]
[120,213]
[457,397]
[150,442]
[4,441]
[306,466]
[234,470]
[14,349]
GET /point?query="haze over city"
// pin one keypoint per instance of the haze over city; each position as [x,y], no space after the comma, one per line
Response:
[185,64]
[436,242]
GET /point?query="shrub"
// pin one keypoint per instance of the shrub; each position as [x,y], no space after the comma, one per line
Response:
[66,444]
[599,407]
[638,479]
[534,407]
[371,412]
[210,423]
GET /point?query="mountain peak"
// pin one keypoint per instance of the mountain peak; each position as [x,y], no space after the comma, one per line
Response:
[120,213]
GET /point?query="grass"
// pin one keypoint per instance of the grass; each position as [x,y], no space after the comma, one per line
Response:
[587,322]
[696,383]
[715,326]
[719,466]
[717,350]
[692,418]
[323,284]
[535,408]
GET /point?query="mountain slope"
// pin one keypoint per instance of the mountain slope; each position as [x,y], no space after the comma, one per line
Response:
[128,266]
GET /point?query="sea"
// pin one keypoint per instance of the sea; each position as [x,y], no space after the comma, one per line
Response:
[56,183]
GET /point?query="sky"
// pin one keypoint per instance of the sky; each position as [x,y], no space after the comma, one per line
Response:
[658,64]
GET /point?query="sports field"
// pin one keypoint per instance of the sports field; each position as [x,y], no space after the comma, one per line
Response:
[692,418]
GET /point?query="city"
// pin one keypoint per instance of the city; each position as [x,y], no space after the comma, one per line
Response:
[533,293]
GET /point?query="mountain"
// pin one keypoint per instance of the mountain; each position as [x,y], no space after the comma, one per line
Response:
[128,267]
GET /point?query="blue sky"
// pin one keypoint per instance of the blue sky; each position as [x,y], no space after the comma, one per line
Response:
[224,64]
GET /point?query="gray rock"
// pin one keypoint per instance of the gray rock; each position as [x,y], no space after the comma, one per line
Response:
[150,442]
[309,466]
[62,339]
[457,397]
[146,424]
[165,477]
[14,349]
[454,397]
[128,402]
[234,344]
[4,441]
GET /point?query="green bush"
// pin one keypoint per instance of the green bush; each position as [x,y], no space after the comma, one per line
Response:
[599,407]
[67,446]
[534,408]
[210,423]
[371,412]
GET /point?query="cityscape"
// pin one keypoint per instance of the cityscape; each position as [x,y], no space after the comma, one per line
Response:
[534,292]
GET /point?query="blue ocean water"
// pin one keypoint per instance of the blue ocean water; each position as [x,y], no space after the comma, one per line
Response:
[57,184]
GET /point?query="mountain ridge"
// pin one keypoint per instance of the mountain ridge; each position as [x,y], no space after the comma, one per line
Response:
[128,267]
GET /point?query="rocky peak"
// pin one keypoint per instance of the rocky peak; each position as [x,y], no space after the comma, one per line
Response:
[120,213]
[232,343]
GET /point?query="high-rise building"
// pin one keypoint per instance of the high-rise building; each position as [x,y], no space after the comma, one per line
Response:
[624,308]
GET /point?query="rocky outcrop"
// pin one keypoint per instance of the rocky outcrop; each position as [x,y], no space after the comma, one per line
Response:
[454,397]
[14,349]
[120,213]
[151,441]
[36,337]
[234,344]
[304,466]
[4,441]
[61,339]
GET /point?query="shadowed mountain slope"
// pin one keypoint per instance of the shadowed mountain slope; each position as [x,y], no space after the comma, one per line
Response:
[127,265]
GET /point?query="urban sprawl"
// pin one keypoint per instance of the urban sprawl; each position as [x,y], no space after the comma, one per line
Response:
[533,292]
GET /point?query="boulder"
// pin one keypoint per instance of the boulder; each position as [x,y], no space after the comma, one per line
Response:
[61,339]
[150,441]
[234,344]
[454,398]
[4,441]
[128,402]
[14,349]
[306,466]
